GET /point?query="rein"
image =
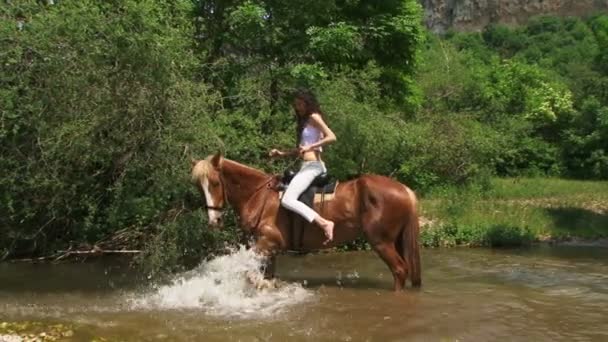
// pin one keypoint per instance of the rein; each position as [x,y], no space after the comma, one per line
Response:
[266,183]
[255,192]
[264,201]
[271,178]
[260,213]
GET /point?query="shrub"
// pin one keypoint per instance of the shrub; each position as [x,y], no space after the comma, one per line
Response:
[455,234]
[98,109]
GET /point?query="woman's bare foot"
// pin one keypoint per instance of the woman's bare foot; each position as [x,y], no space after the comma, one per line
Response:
[329,232]
[328,228]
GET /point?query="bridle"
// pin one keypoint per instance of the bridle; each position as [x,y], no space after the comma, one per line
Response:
[213,208]
[216,208]
[258,217]
[225,196]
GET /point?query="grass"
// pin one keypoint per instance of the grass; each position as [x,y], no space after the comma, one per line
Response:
[516,212]
[548,187]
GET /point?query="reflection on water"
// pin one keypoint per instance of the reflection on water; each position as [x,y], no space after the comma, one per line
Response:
[468,294]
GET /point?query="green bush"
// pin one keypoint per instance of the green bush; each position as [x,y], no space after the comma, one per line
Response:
[98,108]
[533,85]
[446,151]
[455,234]
[508,236]
[182,243]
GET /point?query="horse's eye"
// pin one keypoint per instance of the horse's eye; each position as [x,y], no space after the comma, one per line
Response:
[214,184]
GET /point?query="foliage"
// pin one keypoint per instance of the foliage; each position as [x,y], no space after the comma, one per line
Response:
[540,87]
[445,150]
[273,40]
[181,244]
[97,109]
[103,104]
[515,211]
[476,236]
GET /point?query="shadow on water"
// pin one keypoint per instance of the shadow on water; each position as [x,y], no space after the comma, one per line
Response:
[571,221]
[103,275]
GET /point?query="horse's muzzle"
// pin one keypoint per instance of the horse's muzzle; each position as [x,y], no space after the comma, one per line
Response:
[216,223]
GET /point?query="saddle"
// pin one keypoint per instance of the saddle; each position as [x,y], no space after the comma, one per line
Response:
[321,189]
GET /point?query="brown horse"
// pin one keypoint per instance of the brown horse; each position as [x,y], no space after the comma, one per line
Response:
[383,209]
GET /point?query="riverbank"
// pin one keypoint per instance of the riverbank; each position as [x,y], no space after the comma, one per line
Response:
[517,211]
[505,213]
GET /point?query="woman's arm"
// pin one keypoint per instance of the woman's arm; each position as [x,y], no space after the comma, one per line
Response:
[328,135]
[278,153]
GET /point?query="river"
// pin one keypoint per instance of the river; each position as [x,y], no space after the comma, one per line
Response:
[537,294]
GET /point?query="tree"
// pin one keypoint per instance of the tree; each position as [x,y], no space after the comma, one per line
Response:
[97,103]
[289,42]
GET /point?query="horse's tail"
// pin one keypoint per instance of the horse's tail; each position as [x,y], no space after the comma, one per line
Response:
[410,250]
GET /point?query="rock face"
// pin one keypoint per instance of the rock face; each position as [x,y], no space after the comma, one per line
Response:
[470,15]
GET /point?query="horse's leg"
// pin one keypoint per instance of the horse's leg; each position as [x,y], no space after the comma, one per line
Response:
[398,267]
[269,266]
[384,245]
[265,279]
[264,248]
[267,244]
[382,239]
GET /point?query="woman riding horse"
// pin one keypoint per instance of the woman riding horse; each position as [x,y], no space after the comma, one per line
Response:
[380,208]
[312,133]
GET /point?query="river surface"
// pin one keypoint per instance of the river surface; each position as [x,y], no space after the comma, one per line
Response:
[537,294]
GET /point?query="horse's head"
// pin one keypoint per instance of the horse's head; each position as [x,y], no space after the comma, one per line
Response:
[206,176]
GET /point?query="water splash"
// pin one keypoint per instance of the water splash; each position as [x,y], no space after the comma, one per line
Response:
[220,287]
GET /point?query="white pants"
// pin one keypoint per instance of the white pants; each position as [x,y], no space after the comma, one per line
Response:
[300,182]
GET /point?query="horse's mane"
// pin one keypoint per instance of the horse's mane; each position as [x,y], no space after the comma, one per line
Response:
[203,167]
[248,169]
[200,169]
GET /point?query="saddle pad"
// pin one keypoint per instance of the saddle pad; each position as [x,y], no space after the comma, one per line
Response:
[318,197]
[329,195]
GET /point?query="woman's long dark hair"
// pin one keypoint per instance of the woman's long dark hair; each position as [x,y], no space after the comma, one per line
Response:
[311,105]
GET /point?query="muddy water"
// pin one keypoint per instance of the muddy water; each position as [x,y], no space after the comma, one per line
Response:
[540,294]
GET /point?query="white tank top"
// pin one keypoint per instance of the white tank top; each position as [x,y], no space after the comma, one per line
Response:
[310,135]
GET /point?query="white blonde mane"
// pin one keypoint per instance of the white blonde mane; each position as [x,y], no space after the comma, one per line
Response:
[200,170]
[203,167]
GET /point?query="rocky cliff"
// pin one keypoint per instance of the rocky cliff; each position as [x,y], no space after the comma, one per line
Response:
[441,15]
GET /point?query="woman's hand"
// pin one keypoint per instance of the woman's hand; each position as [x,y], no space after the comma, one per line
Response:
[275,153]
[303,149]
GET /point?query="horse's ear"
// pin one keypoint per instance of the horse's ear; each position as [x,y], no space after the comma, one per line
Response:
[193,161]
[216,160]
